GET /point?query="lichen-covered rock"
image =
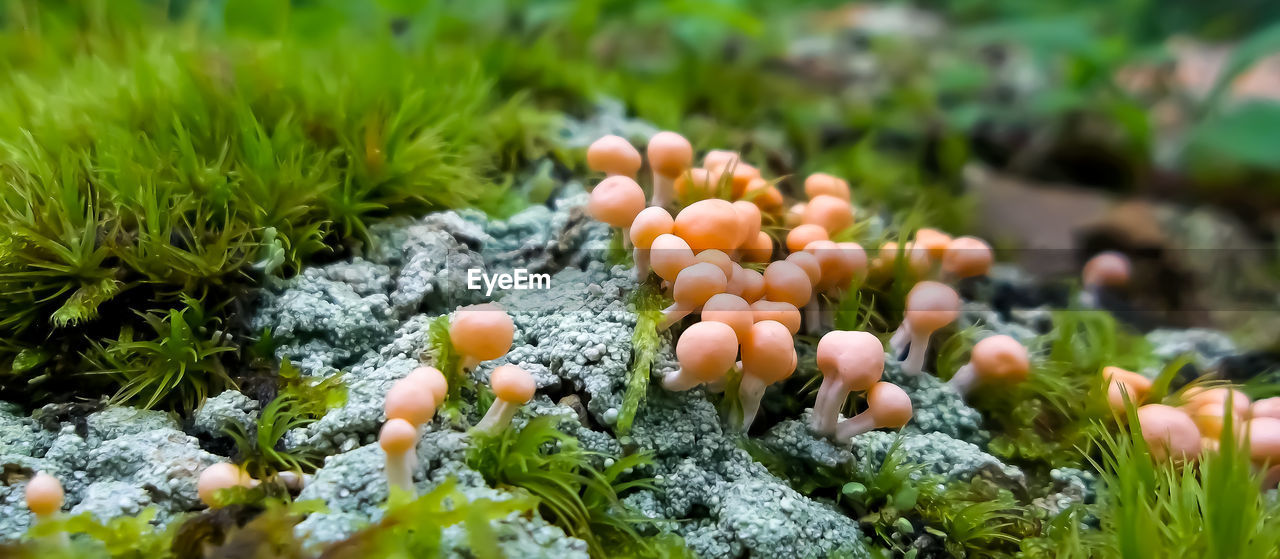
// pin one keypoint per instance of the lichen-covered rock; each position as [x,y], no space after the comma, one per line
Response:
[224,411]
[610,117]
[20,434]
[954,460]
[112,499]
[1068,486]
[1206,347]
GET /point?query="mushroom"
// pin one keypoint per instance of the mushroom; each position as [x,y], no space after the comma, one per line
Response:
[801,235]
[410,401]
[432,379]
[888,406]
[1105,270]
[44,496]
[785,313]
[398,440]
[669,255]
[718,158]
[822,184]
[748,223]
[617,201]
[813,269]
[843,265]
[218,477]
[787,282]
[649,224]
[1169,432]
[850,362]
[997,359]
[794,216]
[768,356]
[670,154]
[930,306]
[731,310]
[693,286]
[1267,407]
[480,333]
[718,258]
[512,387]
[1264,441]
[696,184]
[831,213]
[758,250]
[706,351]
[1198,396]
[933,241]
[746,283]
[614,156]
[967,257]
[886,262]
[765,196]
[1121,382]
[708,224]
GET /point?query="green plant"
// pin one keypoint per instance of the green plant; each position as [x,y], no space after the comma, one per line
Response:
[298,403]
[644,348]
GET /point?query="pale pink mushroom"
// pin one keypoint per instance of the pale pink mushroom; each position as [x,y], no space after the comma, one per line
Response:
[410,401]
[787,282]
[717,158]
[1169,432]
[820,184]
[746,283]
[614,155]
[967,257]
[933,241]
[1197,396]
[649,224]
[930,306]
[758,250]
[670,154]
[693,286]
[801,235]
[717,257]
[617,201]
[1266,407]
[748,223]
[44,496]
[813,269]
[768,356]
[432,379]
[512,387]
[708,224]
[1264,440]
[1105,270]
[732,310]
[218,477]
[706,352]
[784,313]
[850,362]
[831,213]
[995,359]
[888,406]
[480,333]
[669,255]
[1121,382]
[398,439]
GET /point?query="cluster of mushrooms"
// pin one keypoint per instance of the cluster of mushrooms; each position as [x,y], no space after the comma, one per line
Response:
[707,256]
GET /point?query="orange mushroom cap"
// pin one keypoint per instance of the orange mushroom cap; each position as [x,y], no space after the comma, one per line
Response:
[613,155]
[748,222]
[889,405]
[1001,358]
[764,195]
[835,265]
[809,263]
[697,283]
[649,224]
[758,250]
[217,477]
[1197,396]
[746,283]
[397,436]
[732,310]
[617,201]
[44,494]
[432,379]
[1266,407]
[482,331]
[669,255]
[803,234]
[1169,432]
[717,158]
[967,257]
[1264,440]
[768,353]
[1109,269]
[669,154]
[717,257]
[856,260]
[411,402]
[887,259]
[787,282]
[784,313]
[696,184]
[933,241]
[707,350]
[833,214]
[741,176]
[822,184]
[931,305]
[512,384]
[708,224]
[856,358]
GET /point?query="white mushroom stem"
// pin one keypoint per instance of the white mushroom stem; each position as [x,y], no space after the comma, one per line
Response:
[813,315]
[1090,296]
[672,315]
[964,379]
[898,343]
[717,386]
[498,416]
[855,426]
[679,381]
[750,392]
[400,471]
[641,257]
[914,363]
[469,363]
[664,191]
[826,407]
[626,238]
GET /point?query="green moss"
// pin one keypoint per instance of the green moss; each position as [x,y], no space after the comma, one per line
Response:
[644,349]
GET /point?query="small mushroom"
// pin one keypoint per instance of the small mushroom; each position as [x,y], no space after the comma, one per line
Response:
[784,313]
[1264,441]
[670,154]
[649,224]
[1267,407]
[746,283]
[886,262]
[748,223]
[44,496]
[732,310]
[758,250]
[398,440]
[708,224]
[850,362]
[967,257]
[997,359]
[801,235]
[1197,396]
[669,255]
[410,401]
[696,184]
[888,407]
[768,356]
[843,266]
[512,387]
[1169,432]
[617,201]
[765,196]
[933,241]
[813,269]
[706,351]
[831,213]
[218,477]
[1121,382]
[787,282]
[822,184]
[1106,270]
[930,306]
[480,333]
[718,258]
[432,379]
[794,216]
[614,156]
[693,286]
[718,158]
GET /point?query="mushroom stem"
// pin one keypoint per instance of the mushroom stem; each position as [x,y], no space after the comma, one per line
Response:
[664,192]
[813,315]
[672,315]
[750,392]
[641,258]
[914,362]
[400,472]
[826,408]
[855,426]
[498,416]
[469,363]
[626,238]
[964,379]
[679,381]
[898,343]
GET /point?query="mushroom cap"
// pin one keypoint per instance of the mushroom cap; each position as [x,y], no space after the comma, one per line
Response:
[705,224]
[1266,407]
[1001,358]
[1137,383]
[833,214]
[668,255]
[748,221]
[857,358]
[617,201]
[717,257]
[697,184]
[718,158]
[794,216]
[787,282]
[765,196]
[758,250]
[887,259]
[931,305]
[1169,432]
[933,241]
[741,176]
[732,310]
[801,235]
[613,155]
[512,384]
[967,257]
[1264,439]
[834,263]
[707,350]
[44,494]
[432,379]
[217,477]
[856,258]
[889,405]
[1211,419]
[746,283]
[1197,396]
[809,263]
[397,436]
[784,313]
[697,283]
[822,184]
[482,331]
[410,401]
[769,352]
[669,154]
[649,224]
[1109,269]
